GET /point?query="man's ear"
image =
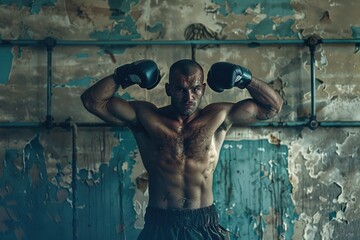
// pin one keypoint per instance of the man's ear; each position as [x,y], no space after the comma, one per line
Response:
[167,89]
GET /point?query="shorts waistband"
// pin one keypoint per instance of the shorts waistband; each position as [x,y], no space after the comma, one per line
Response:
[181,217]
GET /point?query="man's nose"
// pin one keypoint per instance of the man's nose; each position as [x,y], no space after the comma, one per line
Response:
[189,95]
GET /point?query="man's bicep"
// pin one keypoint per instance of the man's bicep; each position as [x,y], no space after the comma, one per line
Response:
[248,111]
[244,112]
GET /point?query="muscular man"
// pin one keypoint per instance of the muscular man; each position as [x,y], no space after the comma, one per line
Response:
[180,143]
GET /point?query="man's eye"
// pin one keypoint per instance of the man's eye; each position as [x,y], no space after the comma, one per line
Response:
[197,89]
[179,90]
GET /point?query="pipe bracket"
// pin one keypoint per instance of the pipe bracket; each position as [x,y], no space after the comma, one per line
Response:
[313,124]
[313,41]
[49,42]
[49,122]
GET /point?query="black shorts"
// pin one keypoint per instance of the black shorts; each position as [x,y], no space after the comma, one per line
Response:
[199,224]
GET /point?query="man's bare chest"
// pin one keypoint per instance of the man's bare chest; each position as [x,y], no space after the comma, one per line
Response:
[174,137]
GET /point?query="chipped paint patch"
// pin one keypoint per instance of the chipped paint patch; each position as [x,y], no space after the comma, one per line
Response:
[268,27]
[6,61]
[34,5]
[85,81]
[355,31]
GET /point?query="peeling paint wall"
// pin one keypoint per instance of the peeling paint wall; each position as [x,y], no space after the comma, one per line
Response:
[271,182]
[253,190]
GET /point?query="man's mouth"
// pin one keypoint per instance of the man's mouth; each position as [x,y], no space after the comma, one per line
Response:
[189,104]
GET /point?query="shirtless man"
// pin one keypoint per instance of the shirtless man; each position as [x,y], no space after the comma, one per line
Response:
[180,143]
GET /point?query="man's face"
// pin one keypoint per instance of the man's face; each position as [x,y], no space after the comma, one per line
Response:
[186,92]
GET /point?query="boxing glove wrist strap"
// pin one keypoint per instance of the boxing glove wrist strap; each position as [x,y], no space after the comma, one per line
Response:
[245,79]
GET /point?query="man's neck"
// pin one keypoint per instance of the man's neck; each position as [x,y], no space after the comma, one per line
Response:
[188,118]
[184,119]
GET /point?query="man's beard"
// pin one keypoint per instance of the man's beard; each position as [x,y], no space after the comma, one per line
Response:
[188,112]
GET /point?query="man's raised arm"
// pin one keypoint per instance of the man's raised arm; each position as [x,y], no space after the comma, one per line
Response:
[265,103]
[99,99]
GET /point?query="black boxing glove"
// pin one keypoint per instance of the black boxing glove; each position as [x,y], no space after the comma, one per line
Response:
[224,75]
[143,72]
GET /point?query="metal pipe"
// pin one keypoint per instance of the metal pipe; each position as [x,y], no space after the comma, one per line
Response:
[147,43]
[340,124]
[250,43]
[313,86]
[54,124]
[257,124]
[183,42]
[50,44]
[49,82]
[312,42]
[74,178]
[121,183]
[279,124]
[21,125]
[340,41]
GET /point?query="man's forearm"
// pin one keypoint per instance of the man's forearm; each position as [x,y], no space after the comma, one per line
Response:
[265,96]
[103,90]
[97,97]
[99,100]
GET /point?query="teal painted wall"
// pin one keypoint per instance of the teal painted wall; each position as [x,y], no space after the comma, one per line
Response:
[44,210]
[251,189]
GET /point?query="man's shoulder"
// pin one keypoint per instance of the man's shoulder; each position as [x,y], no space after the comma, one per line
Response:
[217,114]
[217,106]
[142,105]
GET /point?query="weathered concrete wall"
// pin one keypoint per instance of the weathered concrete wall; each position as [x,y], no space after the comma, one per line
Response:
[271,182]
